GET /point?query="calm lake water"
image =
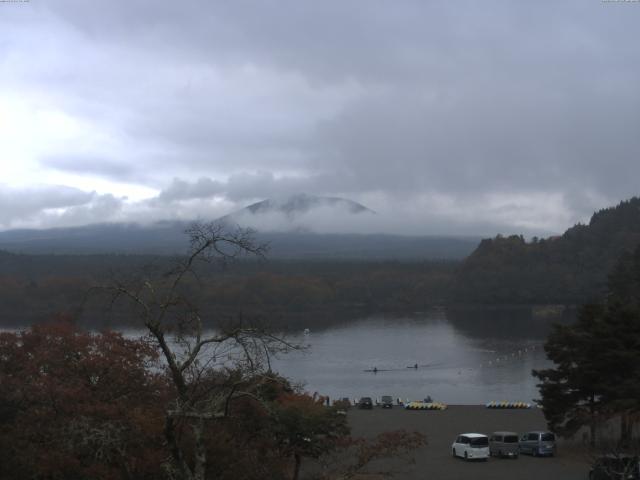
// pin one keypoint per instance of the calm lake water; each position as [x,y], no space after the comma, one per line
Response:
[463,357]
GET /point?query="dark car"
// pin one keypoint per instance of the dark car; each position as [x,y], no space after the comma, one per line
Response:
[365,402]
[615,467]
[386,401]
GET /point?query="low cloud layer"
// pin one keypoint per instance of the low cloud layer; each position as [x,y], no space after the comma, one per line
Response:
[445,117]
[50,207]
[54,206]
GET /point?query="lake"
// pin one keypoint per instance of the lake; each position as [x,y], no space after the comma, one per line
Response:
[463,357]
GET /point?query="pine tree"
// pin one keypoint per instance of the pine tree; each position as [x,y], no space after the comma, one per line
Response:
[597,360]
[572,391]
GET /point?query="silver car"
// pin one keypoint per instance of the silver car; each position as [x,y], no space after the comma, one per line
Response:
[538,443]
[504,444]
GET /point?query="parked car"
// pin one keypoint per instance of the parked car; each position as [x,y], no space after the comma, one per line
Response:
[615,467]
[504,444]
[365,402]
[538,443]
[471,446]
[386,401]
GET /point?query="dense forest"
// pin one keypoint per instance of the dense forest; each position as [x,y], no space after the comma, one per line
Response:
[32,287]
[568,269]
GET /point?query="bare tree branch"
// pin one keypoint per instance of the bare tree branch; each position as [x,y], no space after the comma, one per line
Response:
[164,306]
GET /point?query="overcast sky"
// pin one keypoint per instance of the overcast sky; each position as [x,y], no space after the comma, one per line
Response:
[443,116]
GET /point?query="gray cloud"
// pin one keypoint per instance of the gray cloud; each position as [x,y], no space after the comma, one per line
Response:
[103,207]
[91,165]
[183,190]
[23,206]
[243,187]
[525,114]
[18,204]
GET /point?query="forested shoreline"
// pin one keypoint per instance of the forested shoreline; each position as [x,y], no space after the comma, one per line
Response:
[567,270]
[34,287]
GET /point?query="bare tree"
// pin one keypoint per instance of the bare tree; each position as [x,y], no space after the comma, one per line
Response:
[609,460]
[208,368]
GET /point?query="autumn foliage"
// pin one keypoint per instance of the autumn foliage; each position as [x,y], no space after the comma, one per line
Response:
[182,403]
[82,405]
[75,404]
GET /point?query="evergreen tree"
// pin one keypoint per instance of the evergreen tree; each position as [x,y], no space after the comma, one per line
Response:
[572,391]
[597,360]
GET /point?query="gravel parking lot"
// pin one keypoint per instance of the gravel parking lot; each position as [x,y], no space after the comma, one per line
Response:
[434,461]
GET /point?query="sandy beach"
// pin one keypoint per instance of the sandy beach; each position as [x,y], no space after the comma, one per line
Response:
[434,461]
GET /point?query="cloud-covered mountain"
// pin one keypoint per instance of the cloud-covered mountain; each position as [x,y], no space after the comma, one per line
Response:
[302,203]
[295,227]
[302,213]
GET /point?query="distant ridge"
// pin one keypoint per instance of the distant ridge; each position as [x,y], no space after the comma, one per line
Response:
[165,237]
[292,210]
[292,240]
[169,239]
[567,269]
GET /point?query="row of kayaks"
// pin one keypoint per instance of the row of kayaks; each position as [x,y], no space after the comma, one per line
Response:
[425,406]
[443,406]
[508,405]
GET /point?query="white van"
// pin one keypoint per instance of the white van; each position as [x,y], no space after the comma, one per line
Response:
[471,446]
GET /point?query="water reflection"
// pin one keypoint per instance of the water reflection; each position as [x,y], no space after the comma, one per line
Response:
[509,323]
[463,357]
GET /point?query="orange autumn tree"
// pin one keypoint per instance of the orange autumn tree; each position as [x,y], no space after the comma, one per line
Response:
[305,428]
[75,404]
